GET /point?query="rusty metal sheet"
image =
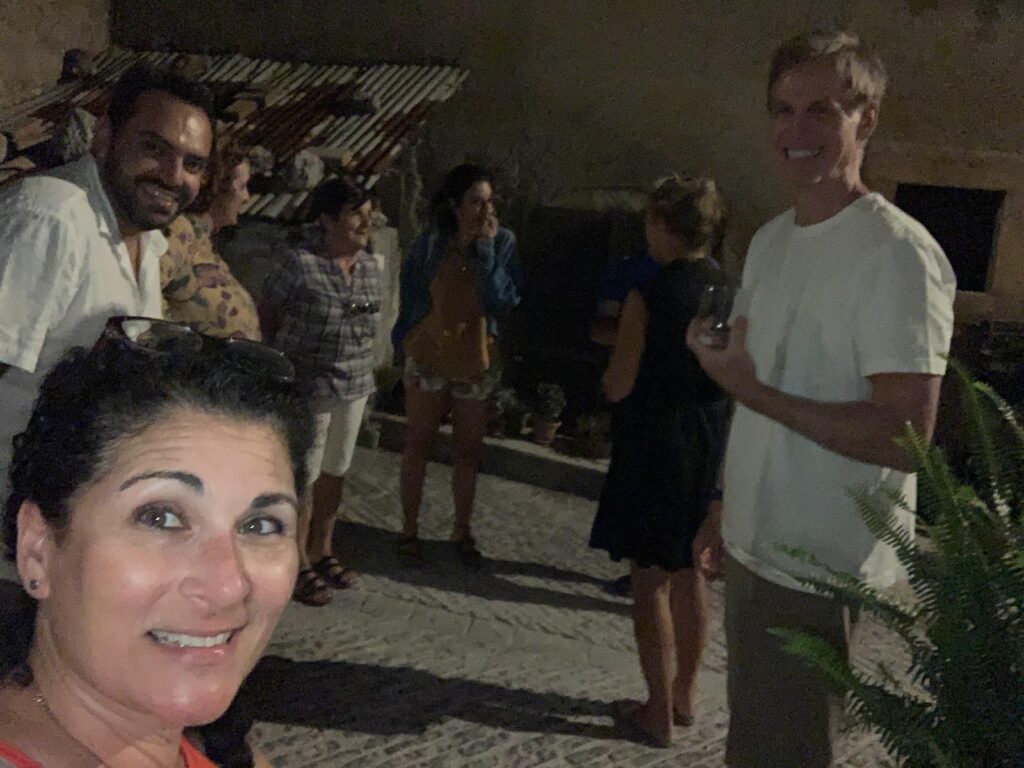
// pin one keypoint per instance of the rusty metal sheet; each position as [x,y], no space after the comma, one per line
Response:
[303,105]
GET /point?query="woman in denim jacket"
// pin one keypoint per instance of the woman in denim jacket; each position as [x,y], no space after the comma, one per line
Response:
[460,277]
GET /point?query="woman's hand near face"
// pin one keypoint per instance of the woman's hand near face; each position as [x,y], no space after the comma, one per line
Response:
[475,214]
[489,230]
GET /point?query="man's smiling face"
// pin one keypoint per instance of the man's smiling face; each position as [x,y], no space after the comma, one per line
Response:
[818,130]
[153,165]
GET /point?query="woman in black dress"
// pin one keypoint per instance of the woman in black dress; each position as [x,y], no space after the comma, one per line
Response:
[668,436]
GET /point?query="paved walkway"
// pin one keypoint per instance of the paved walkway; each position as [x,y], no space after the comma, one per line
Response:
[513,667]
[508,668]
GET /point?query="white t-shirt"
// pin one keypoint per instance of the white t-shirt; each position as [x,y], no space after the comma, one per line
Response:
[64,269]
[867,291]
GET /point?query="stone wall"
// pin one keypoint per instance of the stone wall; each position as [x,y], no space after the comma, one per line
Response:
[34,35]
[580,94]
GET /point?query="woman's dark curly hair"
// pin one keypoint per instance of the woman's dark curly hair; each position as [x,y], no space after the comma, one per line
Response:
[335,194]
[456,183]
[91,402]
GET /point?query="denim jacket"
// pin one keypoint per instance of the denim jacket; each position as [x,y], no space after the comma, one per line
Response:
[498,273]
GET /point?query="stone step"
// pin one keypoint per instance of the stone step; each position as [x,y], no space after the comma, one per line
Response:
[512,459]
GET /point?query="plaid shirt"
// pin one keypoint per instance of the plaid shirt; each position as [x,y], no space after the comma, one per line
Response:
[327,326]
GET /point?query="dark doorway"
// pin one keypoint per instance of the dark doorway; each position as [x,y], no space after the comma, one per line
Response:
[964,221]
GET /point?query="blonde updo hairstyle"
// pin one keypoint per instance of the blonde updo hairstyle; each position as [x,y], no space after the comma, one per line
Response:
[692,209]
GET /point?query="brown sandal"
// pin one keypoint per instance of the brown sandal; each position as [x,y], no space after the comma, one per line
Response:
[334,573]
[310,589]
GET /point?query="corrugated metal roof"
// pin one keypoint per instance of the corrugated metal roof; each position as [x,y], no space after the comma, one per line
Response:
[299,107]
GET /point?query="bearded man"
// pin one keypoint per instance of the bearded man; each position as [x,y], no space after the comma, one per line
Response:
[82,242]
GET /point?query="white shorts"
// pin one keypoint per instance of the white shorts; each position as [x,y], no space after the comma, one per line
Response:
[334,438]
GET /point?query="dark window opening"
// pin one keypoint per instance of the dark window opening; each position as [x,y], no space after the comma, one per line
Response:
[963,221]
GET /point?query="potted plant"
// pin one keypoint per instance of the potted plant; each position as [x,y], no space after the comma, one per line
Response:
[961,701]
[510,413]
[549,404]
[593,432]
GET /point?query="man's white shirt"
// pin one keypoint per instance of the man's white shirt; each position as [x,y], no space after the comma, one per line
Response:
[64,269]
[865,292]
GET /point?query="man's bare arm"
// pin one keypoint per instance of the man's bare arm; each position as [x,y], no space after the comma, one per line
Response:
[863,430]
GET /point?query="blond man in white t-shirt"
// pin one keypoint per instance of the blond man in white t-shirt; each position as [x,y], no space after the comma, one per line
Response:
[847,316]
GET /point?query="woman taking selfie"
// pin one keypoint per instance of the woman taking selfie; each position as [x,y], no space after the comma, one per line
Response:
[152,518]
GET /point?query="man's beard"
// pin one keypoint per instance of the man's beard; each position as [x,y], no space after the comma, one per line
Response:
[129,199]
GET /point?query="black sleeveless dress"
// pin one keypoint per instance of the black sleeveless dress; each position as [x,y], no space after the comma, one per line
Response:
[668,435]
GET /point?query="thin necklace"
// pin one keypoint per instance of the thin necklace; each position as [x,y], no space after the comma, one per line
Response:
[37,694]
[41,701]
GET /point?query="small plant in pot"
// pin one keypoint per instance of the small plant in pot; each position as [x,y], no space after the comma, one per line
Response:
[550,402]
[511,413]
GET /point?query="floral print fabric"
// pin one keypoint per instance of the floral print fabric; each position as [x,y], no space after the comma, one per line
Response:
[198,287]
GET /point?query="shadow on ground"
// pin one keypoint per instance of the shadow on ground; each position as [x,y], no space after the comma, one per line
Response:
[371,550]
[373,699]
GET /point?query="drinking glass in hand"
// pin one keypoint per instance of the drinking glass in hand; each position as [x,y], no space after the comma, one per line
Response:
[713,311]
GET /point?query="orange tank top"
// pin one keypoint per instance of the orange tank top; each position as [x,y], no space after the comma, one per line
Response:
[193,757]
[452,339]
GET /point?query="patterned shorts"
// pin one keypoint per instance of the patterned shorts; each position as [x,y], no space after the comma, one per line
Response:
[479,387]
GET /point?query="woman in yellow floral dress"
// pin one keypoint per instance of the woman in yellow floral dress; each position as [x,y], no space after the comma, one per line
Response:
[198,287]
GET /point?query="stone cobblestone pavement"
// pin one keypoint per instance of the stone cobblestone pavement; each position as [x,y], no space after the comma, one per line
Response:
[511,667]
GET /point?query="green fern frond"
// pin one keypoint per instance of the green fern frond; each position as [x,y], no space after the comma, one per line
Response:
[996,443]
[960,701]
[819,653]
[1009,418]
[877,511]
[1010,453]
[847,589]
[980,439]
[901,719]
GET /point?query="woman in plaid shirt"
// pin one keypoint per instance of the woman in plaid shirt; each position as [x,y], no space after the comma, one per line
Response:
[321,306]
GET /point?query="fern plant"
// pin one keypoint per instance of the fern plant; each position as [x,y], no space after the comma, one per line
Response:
[961,702]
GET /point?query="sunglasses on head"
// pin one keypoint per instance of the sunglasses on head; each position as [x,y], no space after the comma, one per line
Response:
[149,335]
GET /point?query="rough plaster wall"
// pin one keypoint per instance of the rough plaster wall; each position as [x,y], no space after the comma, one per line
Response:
[585,93]
[34,35]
